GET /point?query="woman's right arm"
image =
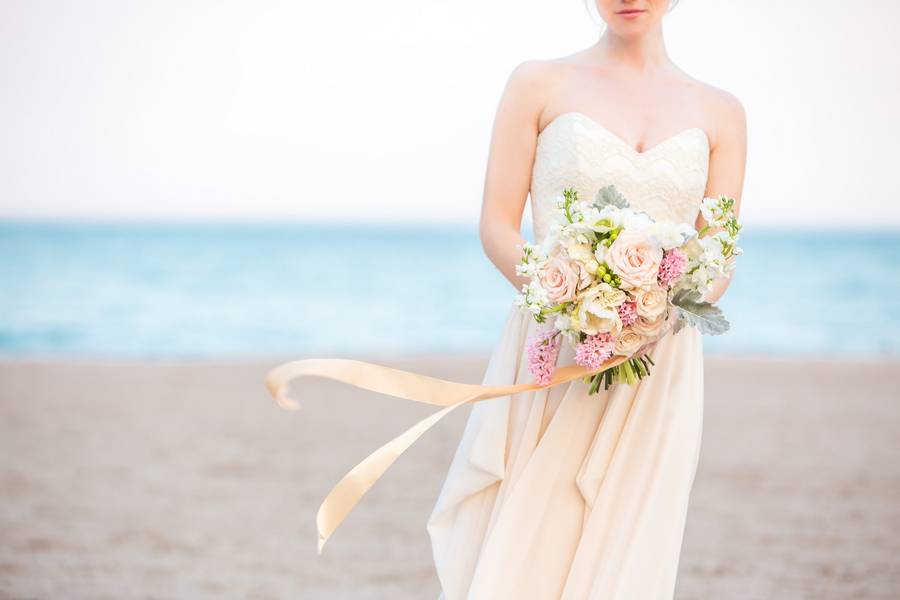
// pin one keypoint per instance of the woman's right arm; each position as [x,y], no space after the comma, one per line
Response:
[510,160]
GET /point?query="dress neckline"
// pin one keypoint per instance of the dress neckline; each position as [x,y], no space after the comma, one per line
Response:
[619,140]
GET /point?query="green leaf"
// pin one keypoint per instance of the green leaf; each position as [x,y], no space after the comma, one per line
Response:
[609,196]
[699,313]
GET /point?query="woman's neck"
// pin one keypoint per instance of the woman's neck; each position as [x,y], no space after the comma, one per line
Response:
[641,54]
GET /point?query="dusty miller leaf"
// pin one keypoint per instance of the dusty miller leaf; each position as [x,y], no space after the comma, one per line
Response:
[609,196]
[699,313]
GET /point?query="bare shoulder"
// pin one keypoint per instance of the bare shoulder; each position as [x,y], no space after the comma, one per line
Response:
[727,108]
[544,71]
[728,118]
[727,129]
[724,104]
[532,71]
[532,80]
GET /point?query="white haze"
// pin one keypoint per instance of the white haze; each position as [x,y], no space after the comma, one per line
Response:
[381,111]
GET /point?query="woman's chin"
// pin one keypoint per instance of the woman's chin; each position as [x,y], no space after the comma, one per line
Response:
[630,30]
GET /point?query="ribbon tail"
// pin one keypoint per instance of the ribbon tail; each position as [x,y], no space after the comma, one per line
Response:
[351,488]
[368,376]
[401,384]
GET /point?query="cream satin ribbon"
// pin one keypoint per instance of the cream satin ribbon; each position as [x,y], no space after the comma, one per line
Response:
[400,384]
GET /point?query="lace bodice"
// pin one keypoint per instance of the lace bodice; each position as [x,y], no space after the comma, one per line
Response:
[667,181]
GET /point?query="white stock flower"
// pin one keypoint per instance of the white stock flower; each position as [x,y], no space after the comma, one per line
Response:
[591,214]
[724,238]
[701,278]
[613,214]
[670,235]
[640,221]
[713,258]
[583,207]
[538,292]
[709,208]
[712,248]
[550,246]
[693,248]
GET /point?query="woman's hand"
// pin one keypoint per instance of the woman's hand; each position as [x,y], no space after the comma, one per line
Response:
[647,349]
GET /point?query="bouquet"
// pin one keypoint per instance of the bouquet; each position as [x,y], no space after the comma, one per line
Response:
[612,281]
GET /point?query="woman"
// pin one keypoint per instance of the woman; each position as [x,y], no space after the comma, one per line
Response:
[552,493]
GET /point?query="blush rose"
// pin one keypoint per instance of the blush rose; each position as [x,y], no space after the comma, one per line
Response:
[635,258]
[559,279]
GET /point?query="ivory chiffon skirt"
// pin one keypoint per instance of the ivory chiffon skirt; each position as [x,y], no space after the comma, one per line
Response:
[557,494]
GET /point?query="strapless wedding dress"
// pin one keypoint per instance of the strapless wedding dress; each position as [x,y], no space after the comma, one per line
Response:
[557,494]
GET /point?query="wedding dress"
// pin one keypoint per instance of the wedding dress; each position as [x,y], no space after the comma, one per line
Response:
[557,494]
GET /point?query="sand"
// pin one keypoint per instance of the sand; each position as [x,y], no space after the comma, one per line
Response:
[168,480]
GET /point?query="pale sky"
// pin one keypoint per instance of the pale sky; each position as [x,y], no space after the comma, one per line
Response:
[382,111]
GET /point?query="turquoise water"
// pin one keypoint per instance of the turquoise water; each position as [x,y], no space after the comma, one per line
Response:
[113,290]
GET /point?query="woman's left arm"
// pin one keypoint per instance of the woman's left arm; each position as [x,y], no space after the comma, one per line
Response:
[727,163]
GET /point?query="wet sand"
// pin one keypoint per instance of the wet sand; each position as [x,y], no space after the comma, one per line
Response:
[185,480]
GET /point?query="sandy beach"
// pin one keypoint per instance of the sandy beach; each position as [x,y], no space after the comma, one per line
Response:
[185,480]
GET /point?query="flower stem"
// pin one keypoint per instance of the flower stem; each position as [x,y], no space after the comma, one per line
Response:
[595,384]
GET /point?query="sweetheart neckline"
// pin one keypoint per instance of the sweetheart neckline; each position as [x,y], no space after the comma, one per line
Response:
[618,139]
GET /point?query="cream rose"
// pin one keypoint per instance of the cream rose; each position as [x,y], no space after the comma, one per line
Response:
[649,327]
[635,258]
[595,314]
[652,302]
[559,279]
[578,250]
[585,273]
[629,342]
[610,295]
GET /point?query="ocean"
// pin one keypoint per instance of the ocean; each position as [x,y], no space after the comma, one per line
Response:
[225,291]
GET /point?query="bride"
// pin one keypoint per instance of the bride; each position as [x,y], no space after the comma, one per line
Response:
[552,493]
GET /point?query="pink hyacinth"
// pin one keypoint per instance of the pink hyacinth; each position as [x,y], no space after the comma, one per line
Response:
[543,350]
[627,313]
[672,267]
[594,350]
